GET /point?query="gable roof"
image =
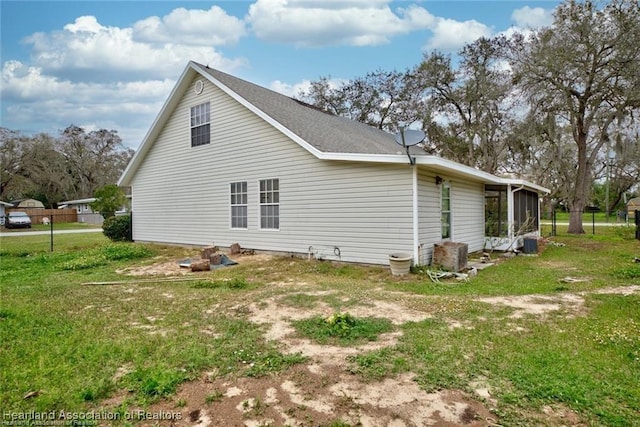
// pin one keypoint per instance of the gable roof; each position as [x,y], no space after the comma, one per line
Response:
[326,136]
[325,132]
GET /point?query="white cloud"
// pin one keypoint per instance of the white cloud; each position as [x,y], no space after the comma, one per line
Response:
[89,46]
[291,90]
[355,23]
[322,23]
[48,99]
[211,27]
[528,17]
[95,75]
[450,35]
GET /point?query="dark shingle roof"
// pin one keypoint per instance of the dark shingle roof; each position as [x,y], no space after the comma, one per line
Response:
[326,132]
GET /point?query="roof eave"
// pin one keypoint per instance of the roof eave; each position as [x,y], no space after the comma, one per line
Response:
[193,69]
[77,201]
[526,184]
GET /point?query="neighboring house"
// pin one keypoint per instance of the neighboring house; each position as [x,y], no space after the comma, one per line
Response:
[633,205]
[27,204]
[241,163]
[83,208]
[3,206]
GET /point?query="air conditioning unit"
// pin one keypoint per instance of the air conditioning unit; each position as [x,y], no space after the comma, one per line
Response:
[450,256]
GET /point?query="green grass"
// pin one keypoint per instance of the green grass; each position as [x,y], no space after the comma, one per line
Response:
[71,341]
[342,329]
[56,226]
[79,345]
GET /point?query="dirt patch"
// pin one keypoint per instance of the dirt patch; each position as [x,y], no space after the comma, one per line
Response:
[537,304]
[323,391]
[300,397]
[619,290]
[559,415]
[279,316]
[172,267]
[544,304]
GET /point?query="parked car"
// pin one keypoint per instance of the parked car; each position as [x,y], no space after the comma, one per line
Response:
[17,219]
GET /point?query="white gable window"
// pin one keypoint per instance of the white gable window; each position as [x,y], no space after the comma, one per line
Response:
[238,202]
[270,204]
[200,125]
[445,209]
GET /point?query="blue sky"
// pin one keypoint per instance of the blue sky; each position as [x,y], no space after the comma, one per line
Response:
[111,64]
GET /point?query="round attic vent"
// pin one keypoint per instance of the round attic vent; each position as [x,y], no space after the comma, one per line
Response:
[199,87]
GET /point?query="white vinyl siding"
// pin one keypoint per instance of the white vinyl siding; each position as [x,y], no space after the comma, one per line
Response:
[467,207]
[363,209]
[238,204]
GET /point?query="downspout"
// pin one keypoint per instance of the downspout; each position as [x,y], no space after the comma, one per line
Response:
[416,236]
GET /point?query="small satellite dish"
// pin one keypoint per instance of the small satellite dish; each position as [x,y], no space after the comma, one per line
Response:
[409,137]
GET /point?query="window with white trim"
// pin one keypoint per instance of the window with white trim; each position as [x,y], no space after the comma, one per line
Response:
[238,203]
[270,204]
[445,209]
[200,124]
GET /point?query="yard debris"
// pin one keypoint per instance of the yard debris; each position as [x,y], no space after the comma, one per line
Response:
[636,259]
[140,281]
[216,261]
[208,252]
[200,264]
[235,249]
[571,280]
[435,276]
[32,394]
[557,244]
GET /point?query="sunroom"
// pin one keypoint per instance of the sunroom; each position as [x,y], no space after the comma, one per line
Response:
[511,213]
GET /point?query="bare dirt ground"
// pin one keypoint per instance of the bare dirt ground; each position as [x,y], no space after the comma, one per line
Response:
[323,390]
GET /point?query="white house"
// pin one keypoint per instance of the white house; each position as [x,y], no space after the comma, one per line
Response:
[241,163]
[83,208]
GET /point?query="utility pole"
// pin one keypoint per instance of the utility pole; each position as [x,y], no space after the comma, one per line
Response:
[610,156]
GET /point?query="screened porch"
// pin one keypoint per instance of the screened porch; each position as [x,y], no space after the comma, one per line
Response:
[511,212]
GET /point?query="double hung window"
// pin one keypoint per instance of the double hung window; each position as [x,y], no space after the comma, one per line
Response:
[238,193]
[270,204]
[201,124]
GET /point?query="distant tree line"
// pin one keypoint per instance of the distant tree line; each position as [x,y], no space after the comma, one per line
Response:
[557,106]
[52,169]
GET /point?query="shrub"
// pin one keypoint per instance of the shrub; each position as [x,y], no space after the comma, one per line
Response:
[118,228]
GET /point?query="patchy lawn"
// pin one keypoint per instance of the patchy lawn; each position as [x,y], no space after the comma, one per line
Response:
[280,341]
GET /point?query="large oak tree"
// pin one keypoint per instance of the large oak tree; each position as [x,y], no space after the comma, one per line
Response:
[584,71]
